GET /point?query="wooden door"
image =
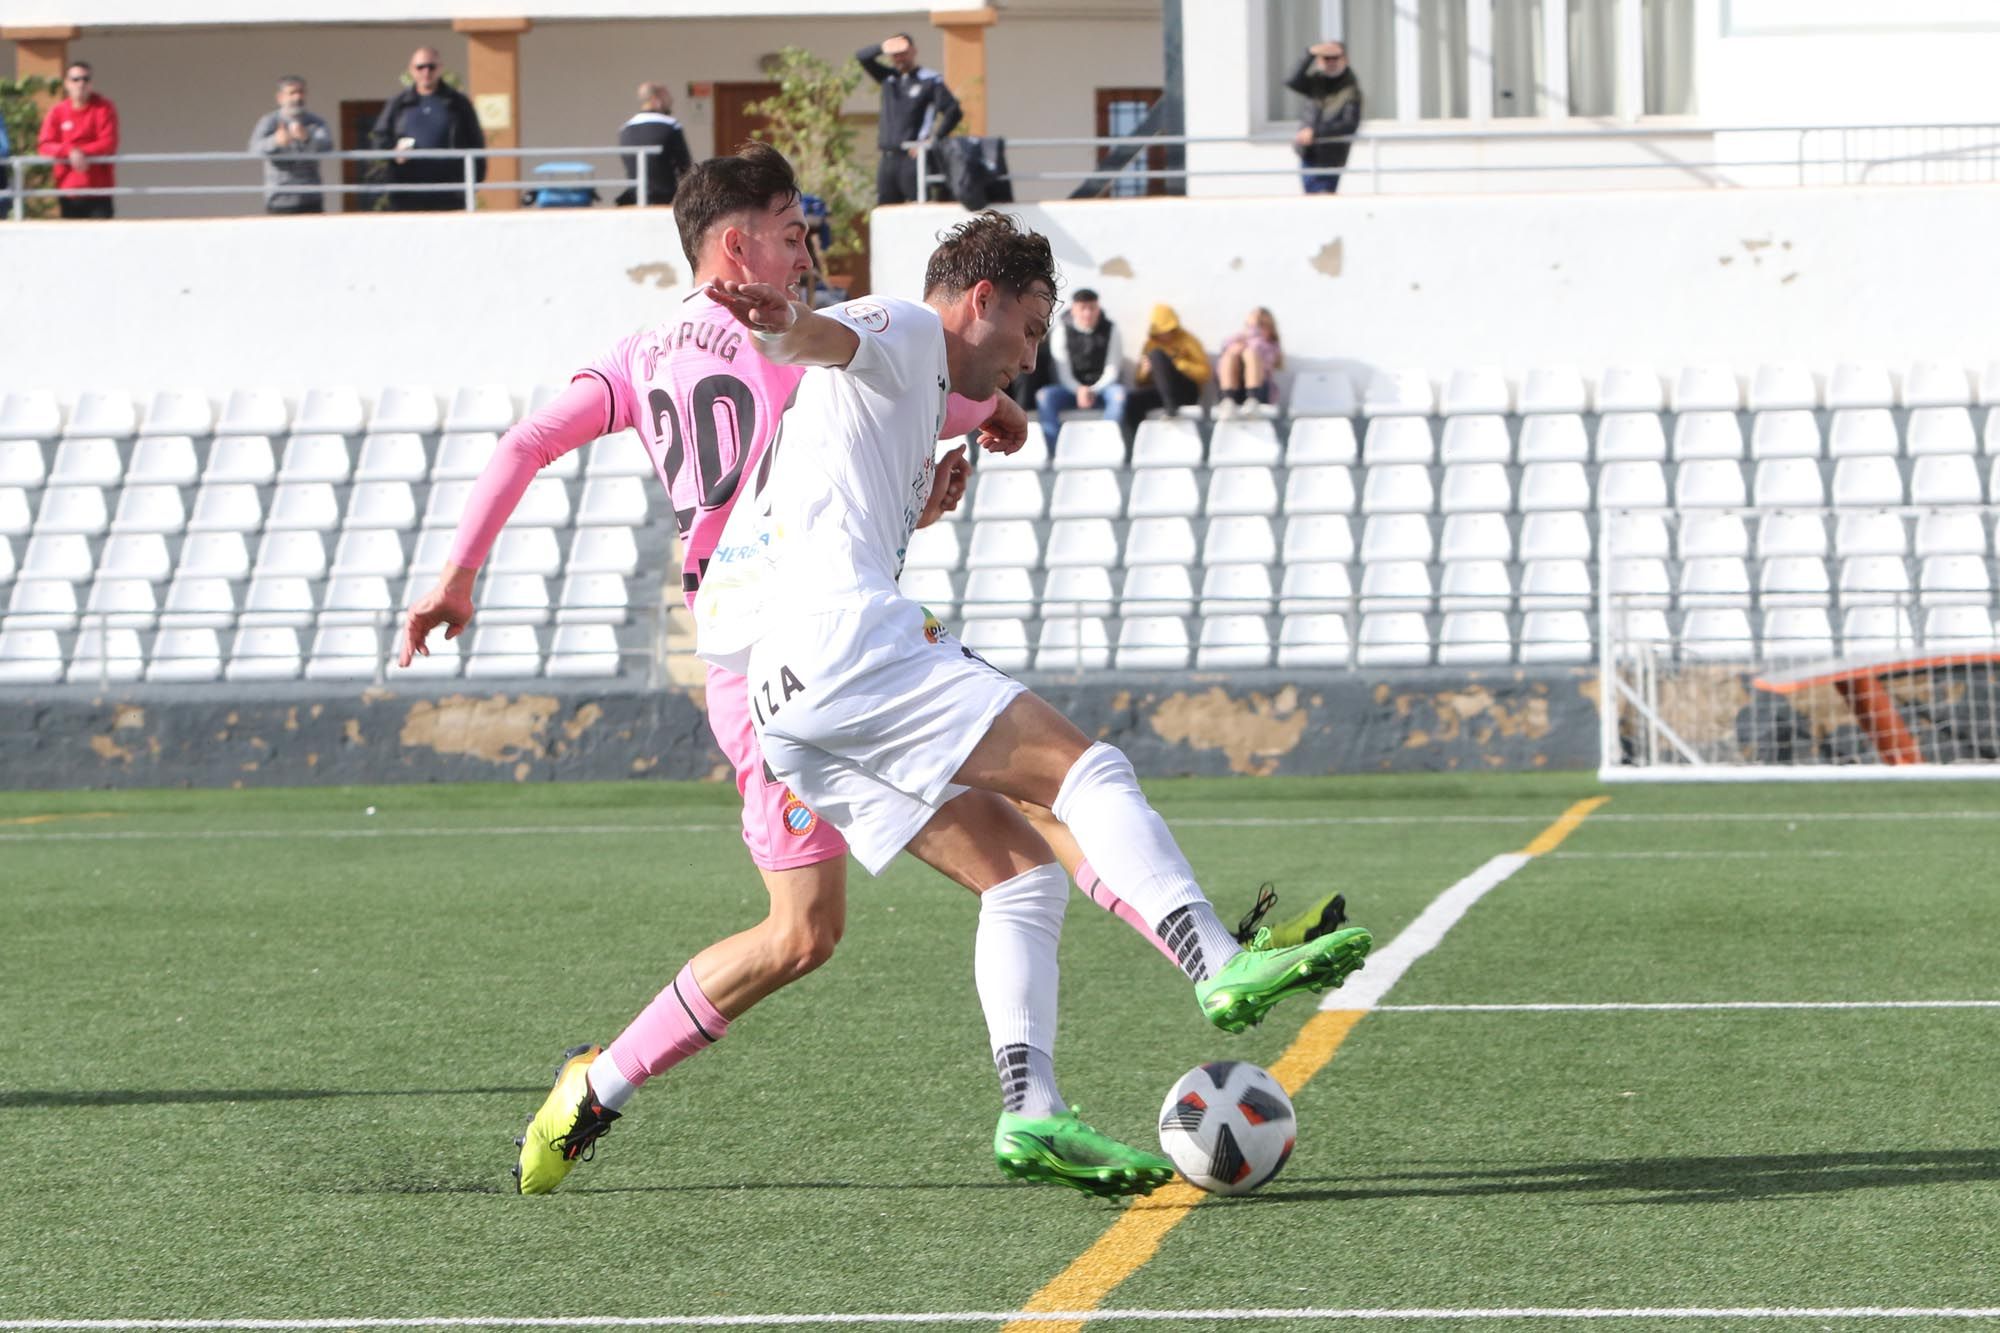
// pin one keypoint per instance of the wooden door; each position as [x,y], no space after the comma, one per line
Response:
[356,119]
[735,126]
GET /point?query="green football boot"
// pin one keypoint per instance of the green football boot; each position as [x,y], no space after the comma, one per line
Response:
[566,1129]
[1256,979]
[1322,918]
[1062,1150]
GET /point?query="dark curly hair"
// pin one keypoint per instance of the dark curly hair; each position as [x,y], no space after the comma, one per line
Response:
[754,178]
[990,247]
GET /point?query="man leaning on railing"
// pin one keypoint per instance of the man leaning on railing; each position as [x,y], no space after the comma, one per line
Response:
[81,126]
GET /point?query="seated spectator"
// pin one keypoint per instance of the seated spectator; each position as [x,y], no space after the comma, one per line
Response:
[1089,364]
[1172,369]
[1248,360]
[653,127]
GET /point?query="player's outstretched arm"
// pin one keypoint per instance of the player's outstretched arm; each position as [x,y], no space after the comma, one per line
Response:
[1006,430]
[787,332]
[449,603]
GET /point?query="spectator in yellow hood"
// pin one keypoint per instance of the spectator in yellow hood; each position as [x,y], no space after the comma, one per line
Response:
[1172,369]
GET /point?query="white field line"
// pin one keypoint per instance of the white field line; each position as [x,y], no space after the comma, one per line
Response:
[1680,1006]
[1716,854]
[1386,968]
[1211,1317]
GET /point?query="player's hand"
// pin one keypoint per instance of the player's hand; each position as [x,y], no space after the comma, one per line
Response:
[758,306]
[447,604]
[947,486]
[1006,430]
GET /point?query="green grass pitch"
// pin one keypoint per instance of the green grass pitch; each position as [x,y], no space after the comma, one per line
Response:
[263,1056]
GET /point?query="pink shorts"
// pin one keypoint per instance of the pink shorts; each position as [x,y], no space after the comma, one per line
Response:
[781,833]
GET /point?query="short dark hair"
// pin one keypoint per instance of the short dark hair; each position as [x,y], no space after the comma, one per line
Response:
[83,65]
[990,247]
[291,81]
[755,177]
[1082,294]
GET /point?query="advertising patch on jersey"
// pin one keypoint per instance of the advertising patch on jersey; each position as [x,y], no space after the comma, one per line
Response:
[933,627]
[799,818]
[869,316]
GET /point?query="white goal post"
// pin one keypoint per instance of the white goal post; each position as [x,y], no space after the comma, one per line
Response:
[1800,644]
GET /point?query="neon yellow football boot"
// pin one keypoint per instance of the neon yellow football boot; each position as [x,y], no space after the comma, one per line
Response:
[566,1129]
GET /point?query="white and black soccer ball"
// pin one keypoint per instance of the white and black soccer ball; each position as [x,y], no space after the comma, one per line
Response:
[1228,1126]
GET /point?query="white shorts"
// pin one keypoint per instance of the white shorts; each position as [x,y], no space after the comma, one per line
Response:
[867,713]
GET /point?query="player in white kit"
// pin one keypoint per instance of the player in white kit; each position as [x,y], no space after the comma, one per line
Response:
[892,730]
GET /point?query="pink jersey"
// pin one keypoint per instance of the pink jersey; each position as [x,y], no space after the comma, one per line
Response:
[706,404]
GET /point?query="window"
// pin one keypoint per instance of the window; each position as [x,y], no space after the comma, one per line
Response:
[1119,111]
[1593,57]
[1365,27]
[1669,33]
[1442,52]
[1518,76]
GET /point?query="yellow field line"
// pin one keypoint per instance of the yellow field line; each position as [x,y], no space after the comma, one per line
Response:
[1135,1237]
[50,819]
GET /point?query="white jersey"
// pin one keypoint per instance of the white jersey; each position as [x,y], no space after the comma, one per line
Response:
[840,491]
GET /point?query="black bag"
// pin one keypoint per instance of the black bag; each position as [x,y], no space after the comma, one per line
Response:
[975,170]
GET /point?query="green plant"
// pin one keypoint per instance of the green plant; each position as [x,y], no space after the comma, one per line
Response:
[23,116]
[806,124]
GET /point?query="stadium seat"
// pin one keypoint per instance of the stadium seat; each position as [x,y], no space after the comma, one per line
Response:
[163,460]
[1240,442]
[404,408]
[16,518]
[1236,590]
[106,655]
[1032,456]
[1933,384]
[1319,537]
[1783,387]
[1152,643]
[1707,435]
[620,454]
[110,415]
[263,652]
[29,414]
[1092,442]
[278,599]
[1868,630]
[1239,541]
[1072,643]
[1872,580]
[1555,585]
[1717,634]
[1089,541]
[77,509]
[1475,488]
[442,662]
[1396,537]
[226,508]
[935,589]
[1397,440]
[241,460]
[1167,443]
[1156,590]
[327,412]
[545,504]
[315,458]
[1553,389]
[1631,485]
[1161,492]
[149,509]
[1241,490]
[1313,640]
[1788,483]
[195,601]
[1478,390]
[1321,440]
[1628,389]
[1944,580]
[304,506]
[620,500]
[1474,638]
[371,552]
[1563,536]
[1554,486]
[42,604]
[1553,439]
[220,555]
[534,551]
[1713,534]
[1322,393]
[1476,585]
[253,412]
[90,461]
[179,412]
[1002,591]
[1715,581]
[1475,439]
[1003,544]
[1937,479]
[1478,537]
[1397,393]
[185,654]
[1961,628]
[381,504]
[445,505]
[1097,493]
[1315,587]
[1641,582]
[124,603]
[479,407]
[1870,480]
[345,652]
[934,547]
[1710,483]
[1233,643]
[1012,494]
[1794,580]
[50,555]
[1950,532]
[6,560]
[1797,631]
[1397,488]
[1786,434]
[1393,638]
[29,656]
[1705,389]
[22,464]
[1940,430]
[1002,643]
[1851,386]
[1080,590]
[1395,585]
[1327,489]
[1859,432]
[583,650]
[503,650]
[1791,534]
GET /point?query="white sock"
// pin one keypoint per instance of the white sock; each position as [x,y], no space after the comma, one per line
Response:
[611,1088]
[1014,968]
[1128,844]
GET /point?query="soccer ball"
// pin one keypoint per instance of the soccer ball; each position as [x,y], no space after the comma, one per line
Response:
[1228,1126]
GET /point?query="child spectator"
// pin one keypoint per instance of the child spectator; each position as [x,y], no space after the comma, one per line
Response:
[1248,360]
[1172,369]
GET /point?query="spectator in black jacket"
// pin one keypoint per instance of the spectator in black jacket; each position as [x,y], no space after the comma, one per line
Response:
[654,127]
[915,106]
[429,113]
[1332,114]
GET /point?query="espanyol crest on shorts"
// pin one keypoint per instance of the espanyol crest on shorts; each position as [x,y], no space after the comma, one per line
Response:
[798,816]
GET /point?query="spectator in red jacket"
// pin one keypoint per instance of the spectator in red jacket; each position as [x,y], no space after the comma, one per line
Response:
[82,125]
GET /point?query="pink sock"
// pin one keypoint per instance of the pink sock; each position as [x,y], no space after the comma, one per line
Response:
[1100,893]
[679,1022]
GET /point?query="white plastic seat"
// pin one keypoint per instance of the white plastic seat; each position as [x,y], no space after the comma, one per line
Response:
[226,508]
[1794,580]
[602,599]
[245,460]
[1396,537]
[936,589]
[1555,636]
[1001,591]
[1950,532]
[185,654]
[1004,543]
[1553,439]
[1319,489]
[376,552]
[619,500]
[1480,389]
[30,414]
[1475,585]
[1242,442]
[1098,493]
[278,599]
[135,555]
[1481,537]
[620,454]
[1783,387]
[1397,393]
[1092,442]
[1713,534]
[1397,488]
[196,601]
[934,547]
[1707,435]
[103,414]
[125,603]
[29,655]
[1393,638]
[1475,638]
[1628,389]
[1395,585]
[92,461]
[503,650]
[1239,540]
[1475,488]
[254,412]
[445,505]
[1797,631]
[1319,537]
[1073,643]
[1859,432]
[381,504]
[1631,485]
[327,412]
[1791,534]
[1871,630]
[1871,580]
[1788,483]
[342,651]
[1156,590]
[404,408]
[1715,581]
[480,407]
[1934,384]
[1242,490]
[42,604]
[1708,388]
[1709,483]
[1787,434]
[21,464]
[1398,440]
[1174,442]
[1640,535]
[302,506]
[1152,643]
[1236,590]
[163,460]
[263,652]
[315,458]
[442,662]
[6,559]
[1859,386]
[1077,591]
[1553,389]
[1321,440]
[1002,642]
[1960,628]
[1032,456]
[179,412]
[1233,643]
[1941,430]
[1941,479]
[460,457]
[545,504]
[109,654]
[1640,581]
[1313,640]
[1012,494]
[1475,439]
[219,555]
[1871,480]
[1322,393]
[1954,580]
[534,551]
[1086,541]
[1555,585]
[1316,587]
[72,509]
[1554,486]
[583,650]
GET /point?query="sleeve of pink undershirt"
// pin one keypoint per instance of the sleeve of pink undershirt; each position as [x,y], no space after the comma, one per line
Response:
[573,418]
[963,416]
